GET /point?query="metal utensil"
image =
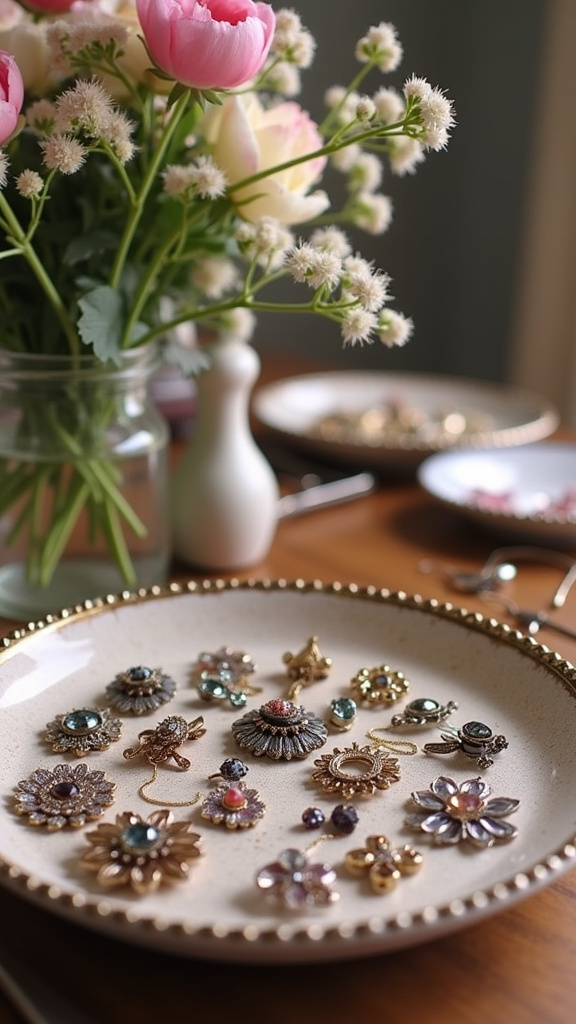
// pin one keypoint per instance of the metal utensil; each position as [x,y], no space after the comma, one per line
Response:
[500,567]
[532,621]
[323,495]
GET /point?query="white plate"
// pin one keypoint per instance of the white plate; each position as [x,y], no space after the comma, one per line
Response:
[527,492]
[509,682]
[494,415]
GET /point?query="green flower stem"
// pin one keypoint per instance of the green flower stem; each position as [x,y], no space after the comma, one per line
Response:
[14,482]
[147,183]
[102,472]
[112,530]
[29,253]
[61,529]
[98,474]
[335,144]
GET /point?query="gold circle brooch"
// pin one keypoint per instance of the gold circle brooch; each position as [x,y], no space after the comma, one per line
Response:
[356,771]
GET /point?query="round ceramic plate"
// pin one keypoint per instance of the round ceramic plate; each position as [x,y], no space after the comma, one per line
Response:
[509,682]
[528,493]
[391,420]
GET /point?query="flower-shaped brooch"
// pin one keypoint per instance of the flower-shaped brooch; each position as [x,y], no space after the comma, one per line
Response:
[281,730]
[66,795]
[139,690]
[383,864]
[450,813]
[142,853]
[297,883]
[231,803]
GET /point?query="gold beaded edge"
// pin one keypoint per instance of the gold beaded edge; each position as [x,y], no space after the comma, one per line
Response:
[219,939]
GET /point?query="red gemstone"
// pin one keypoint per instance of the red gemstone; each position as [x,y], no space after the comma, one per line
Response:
[280,708]
[234,798]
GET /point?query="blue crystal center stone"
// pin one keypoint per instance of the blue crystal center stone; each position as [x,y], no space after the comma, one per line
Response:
[82,722]
[477,731]
[424,705]
[140,838]
[139,673]
[343,709]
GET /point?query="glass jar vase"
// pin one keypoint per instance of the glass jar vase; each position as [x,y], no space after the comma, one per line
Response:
[83,480]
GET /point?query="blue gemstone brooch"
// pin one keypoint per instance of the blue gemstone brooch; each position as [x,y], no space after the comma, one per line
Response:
[82,731]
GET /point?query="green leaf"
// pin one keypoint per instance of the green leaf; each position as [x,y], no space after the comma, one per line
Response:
[101,323]
[85,246]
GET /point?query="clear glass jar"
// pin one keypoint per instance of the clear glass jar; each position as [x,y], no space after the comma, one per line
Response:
[83,480]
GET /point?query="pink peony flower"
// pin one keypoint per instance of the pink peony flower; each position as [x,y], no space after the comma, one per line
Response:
[11,95]
[208,44]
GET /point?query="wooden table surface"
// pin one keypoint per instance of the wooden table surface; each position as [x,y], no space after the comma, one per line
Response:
[518,966]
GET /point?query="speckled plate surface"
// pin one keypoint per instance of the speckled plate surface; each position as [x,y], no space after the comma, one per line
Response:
[495,415]
[518,687]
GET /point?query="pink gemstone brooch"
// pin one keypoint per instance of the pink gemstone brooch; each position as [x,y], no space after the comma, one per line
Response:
[451,813]
[231,804]
[281,730]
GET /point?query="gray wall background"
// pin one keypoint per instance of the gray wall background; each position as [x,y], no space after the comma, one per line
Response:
[453,247]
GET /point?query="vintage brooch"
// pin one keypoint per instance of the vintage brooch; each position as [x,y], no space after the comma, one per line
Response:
[306,667]
[423,711]
[231,803]
[356,771]
[297,883]
[281,730]
[82,731]
[64,795]
[139,690]
[142,853]
[451,813]
[383,864]
[380,685]
[475,739]
[222,675]
[161,744]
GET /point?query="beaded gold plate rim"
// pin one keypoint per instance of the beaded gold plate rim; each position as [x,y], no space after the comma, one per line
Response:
[382,925]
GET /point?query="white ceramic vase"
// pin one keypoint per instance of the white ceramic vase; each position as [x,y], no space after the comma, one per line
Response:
[223,491]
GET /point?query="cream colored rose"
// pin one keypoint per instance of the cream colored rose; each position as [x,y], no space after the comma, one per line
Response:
[248,138]
[26,41]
